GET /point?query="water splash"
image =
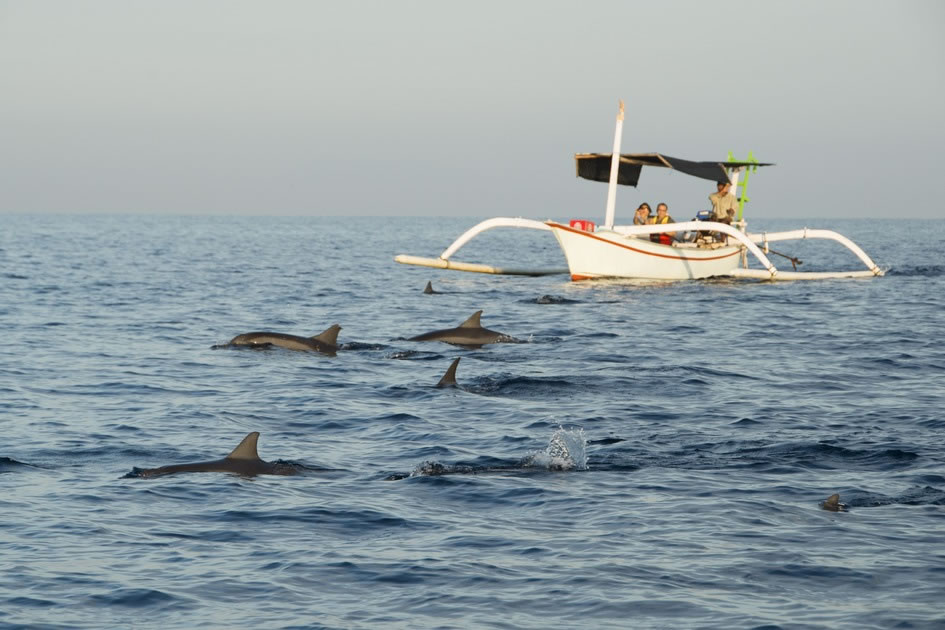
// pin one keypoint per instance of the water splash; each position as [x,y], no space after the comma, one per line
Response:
[567,450]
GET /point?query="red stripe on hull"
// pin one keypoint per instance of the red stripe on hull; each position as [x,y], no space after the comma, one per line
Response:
[640,251]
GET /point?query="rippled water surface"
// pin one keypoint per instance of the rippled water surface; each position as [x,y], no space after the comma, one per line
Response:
[651,455]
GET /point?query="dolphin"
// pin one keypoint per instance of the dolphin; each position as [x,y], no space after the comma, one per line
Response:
[565,452]
[325,342]
[449,379]
[244,460]
[8,464]
[469,334]
[429,289]
[833,504]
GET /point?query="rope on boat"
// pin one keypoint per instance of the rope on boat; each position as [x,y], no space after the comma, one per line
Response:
[795,261]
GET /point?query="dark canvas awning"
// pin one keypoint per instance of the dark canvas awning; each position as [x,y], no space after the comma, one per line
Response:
[596,166]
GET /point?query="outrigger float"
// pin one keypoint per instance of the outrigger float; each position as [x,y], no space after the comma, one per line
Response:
[713,249]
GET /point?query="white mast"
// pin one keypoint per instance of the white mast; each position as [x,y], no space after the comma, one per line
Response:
[733,177]
[614,168]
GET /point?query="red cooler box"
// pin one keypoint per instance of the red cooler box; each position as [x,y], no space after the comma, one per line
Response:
[583,224]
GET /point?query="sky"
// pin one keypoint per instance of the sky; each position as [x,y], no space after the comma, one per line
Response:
[448,108]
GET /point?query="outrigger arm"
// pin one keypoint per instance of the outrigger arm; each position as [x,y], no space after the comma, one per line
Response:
[444,262]
[750,240]
[764,238]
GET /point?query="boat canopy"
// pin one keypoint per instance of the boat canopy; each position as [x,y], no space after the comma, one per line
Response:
[596,166]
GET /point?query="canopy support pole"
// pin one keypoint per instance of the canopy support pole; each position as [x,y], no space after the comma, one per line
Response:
[614,171]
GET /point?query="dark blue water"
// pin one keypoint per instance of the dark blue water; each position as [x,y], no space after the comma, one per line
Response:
[653,456]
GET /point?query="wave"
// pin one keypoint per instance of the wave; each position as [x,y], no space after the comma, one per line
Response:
[141,598]
[921,271]
[357,345]
[341,521]
[415,355]
[528,387]
[925,495]
[784,458]
[551,299]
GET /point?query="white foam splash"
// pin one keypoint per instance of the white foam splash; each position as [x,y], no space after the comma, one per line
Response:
[567,450]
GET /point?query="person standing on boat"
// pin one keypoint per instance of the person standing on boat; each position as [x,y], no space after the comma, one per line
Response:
[662,216]
[642,216]
[724,203]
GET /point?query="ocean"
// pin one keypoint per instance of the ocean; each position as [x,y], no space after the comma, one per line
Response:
[644,455]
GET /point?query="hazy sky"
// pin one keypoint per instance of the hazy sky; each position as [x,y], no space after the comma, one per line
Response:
[465,108]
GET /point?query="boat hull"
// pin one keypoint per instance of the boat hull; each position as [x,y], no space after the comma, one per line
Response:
[608,254]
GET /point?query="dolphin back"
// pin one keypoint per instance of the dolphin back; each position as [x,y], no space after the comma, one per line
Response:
[329,336]
[473,321]
[832,504]
[246,449]
[289,342]
[449,379]
[469,334]
[242,460]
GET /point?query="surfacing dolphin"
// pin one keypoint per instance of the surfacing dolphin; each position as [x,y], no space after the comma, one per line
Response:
[832,504]
[325,342]
[244,460]
[449,379]
[566,451]
[429,290]
[469,334]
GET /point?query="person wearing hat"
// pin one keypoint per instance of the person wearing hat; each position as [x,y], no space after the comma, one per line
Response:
[723,203]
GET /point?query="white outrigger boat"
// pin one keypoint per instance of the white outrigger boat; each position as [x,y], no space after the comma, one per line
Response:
[626,251]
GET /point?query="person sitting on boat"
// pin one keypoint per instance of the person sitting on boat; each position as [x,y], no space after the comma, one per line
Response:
[642,216]
[724,203]
[662,216]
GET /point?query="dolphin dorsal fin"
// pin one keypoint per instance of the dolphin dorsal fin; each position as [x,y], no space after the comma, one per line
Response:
[429,288]
[329,335]
[449,379]
[833,501]
[472,322]
[246,448]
